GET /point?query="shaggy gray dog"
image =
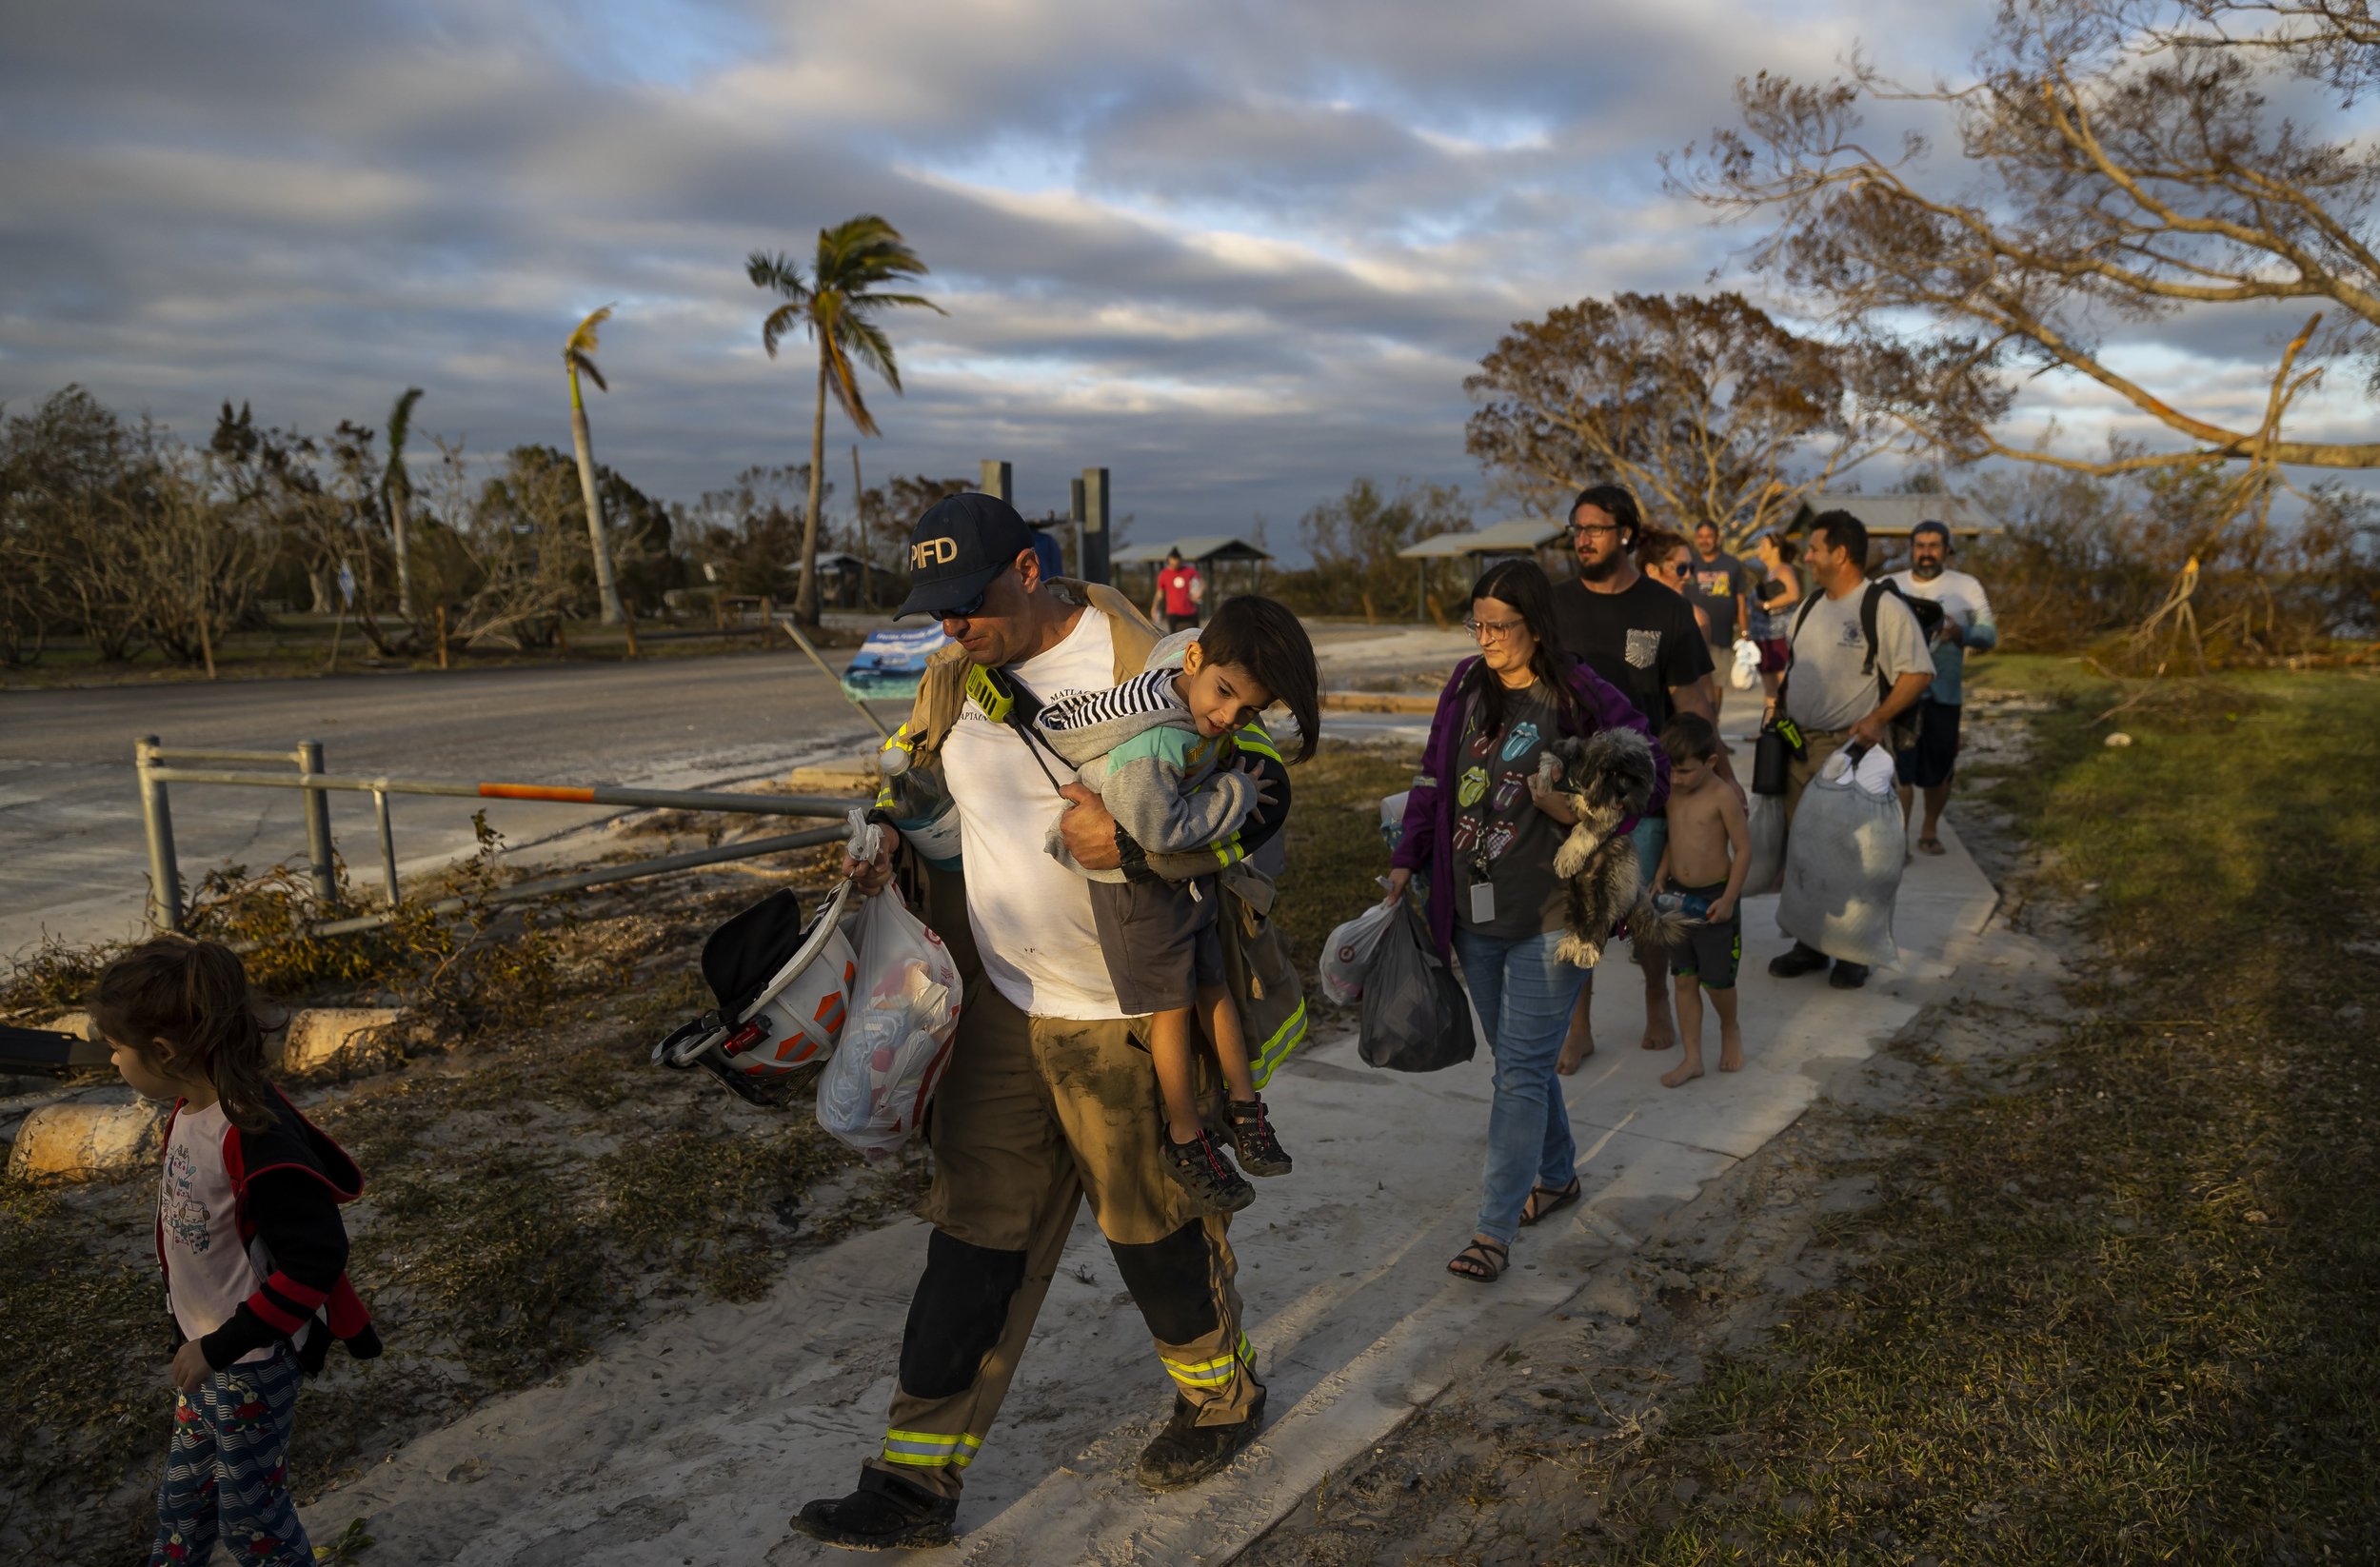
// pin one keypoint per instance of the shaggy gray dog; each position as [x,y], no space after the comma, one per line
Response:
[1607,778]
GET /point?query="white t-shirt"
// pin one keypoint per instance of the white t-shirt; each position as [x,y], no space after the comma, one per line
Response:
[1031,915]
[1826,687]
[207,1272]
[1965,605]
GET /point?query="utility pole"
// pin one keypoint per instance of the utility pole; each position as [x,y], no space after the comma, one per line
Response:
[859,536]
[1091,512]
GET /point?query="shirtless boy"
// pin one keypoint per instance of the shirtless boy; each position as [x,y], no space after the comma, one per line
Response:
[1707,852]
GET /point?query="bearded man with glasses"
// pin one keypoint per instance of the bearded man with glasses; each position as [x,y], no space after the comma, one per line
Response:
[1642,638]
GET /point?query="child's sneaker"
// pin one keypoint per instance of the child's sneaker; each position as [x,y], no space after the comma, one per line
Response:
[1259,1151]
[1200,1168]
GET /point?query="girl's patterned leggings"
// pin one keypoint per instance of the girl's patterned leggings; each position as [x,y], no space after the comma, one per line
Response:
[228,1472]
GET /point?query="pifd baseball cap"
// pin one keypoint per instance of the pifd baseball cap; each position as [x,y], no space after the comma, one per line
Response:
[958,549]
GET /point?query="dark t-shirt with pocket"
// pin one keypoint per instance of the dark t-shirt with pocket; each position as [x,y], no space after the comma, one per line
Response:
[1642,641]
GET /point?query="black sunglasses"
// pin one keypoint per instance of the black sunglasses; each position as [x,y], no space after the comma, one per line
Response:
[974,606]
[968,610]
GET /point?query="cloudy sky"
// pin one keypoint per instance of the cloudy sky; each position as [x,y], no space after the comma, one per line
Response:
[1236,252]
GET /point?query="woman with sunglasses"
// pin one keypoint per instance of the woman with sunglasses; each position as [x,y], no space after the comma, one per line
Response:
[1486,831]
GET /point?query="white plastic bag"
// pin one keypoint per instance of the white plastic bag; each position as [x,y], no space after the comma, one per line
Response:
[1873,771]
[1746,674]
[1348,953]
[1843,870]
[905,1007]
[1765,823]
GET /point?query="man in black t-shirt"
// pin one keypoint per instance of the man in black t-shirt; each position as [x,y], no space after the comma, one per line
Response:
[1643,638]
[1718,585]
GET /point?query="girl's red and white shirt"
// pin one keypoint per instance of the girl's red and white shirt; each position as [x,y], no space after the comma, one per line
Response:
[208,1271]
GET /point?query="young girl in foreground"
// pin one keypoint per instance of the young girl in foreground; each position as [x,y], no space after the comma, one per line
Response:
[249,1238]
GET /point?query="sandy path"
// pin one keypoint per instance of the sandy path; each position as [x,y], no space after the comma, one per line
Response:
[694,1441]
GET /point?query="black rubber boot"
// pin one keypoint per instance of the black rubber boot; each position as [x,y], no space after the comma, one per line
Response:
[886,1513]
[1252,1139]
[1185,1453]
[1848,976]
[1803,959]
[1200,1168]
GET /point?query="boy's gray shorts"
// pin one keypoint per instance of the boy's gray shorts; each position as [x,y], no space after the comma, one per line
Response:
[1161,942]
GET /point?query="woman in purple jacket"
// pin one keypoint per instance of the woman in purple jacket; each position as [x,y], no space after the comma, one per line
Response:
[1487,831]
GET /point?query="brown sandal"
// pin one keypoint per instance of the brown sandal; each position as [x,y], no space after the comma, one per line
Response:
[1483,1261]
[1545,1202]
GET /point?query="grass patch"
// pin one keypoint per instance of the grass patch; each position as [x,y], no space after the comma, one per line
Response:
[2129,1309]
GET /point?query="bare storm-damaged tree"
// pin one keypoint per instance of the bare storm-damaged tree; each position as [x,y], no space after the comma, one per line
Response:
[1710,410]
[2123,161]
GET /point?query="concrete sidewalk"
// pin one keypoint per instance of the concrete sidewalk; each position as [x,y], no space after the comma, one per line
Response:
[693,1442]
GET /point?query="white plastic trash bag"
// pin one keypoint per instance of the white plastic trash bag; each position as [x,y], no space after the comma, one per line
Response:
[1843,869]
[1765,823]
[1872,769]
[1746,673]
[905,1008]
[1348,953]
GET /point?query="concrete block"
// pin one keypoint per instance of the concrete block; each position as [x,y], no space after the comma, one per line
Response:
[321,1035]
[858,778]
[76,1024]
[80,1141]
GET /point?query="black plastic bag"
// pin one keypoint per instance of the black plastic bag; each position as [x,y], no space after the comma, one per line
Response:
[1415,1017]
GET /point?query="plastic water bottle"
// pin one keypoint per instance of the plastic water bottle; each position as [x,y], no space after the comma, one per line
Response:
[1693,905]
[921,808]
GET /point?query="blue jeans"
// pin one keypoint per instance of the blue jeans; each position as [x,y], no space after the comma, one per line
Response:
[1524,995]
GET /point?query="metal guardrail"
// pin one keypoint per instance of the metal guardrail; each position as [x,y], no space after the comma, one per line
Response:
[158,765]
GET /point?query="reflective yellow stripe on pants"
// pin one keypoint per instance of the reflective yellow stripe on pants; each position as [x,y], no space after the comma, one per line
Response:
[930,1449]
[1215,1373]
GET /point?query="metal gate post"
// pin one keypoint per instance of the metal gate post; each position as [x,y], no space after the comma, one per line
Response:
[165,877]
[318,850]
[387,844]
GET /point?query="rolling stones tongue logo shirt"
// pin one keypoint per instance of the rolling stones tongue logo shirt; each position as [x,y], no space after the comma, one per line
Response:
[1503,843]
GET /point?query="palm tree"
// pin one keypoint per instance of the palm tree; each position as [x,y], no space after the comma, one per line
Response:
[577,357]
[396,489]
[837,303]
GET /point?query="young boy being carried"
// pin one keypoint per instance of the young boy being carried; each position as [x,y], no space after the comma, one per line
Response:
[1158,750]
[1709,850]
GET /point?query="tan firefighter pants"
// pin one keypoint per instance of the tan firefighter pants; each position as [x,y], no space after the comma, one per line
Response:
[1036,1115]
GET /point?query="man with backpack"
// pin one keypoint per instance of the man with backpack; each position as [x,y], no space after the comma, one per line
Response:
[1856,666]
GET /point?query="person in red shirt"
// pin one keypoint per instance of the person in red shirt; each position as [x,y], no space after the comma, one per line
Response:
[1180,591]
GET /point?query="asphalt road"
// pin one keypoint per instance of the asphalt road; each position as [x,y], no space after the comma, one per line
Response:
[72,858]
